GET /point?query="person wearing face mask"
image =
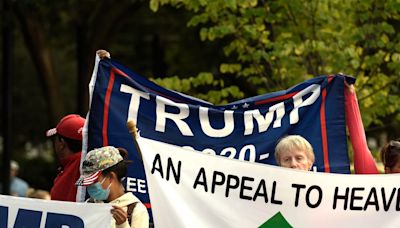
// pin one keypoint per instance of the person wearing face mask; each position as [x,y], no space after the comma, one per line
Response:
[102,171]
[294,152]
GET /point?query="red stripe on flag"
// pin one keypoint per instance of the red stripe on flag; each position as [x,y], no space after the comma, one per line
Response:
[283,97]
[323,130]
[106,106]
[118,71]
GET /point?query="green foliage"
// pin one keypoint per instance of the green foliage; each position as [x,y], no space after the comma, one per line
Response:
[157,44]
[271,45]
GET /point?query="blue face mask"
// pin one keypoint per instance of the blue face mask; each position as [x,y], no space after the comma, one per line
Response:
[97,192]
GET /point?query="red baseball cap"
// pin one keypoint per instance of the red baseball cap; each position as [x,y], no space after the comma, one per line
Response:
[70,126]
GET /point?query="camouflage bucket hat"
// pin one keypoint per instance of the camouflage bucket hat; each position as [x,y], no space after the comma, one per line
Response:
[96,161]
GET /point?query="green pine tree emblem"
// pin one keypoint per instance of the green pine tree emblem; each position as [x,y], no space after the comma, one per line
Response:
[276,221]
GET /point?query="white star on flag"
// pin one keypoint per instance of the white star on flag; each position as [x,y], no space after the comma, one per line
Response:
[245,105]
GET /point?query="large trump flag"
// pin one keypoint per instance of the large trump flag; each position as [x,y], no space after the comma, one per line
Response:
[191,189]
[246,130]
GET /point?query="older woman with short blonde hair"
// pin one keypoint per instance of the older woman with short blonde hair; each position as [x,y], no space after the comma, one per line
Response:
[294,152]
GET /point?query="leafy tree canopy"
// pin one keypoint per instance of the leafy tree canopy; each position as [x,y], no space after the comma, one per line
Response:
[272,45]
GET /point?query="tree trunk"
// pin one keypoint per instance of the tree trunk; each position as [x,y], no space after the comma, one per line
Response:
[35,40]
[94,30]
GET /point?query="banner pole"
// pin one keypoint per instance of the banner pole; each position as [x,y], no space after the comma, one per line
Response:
[133,131]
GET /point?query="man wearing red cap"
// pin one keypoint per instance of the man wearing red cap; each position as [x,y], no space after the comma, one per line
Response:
[68,146]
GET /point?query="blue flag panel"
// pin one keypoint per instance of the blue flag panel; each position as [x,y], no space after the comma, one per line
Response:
[246,130]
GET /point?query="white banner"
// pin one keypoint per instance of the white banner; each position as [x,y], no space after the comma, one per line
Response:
[189,189]
[35,213]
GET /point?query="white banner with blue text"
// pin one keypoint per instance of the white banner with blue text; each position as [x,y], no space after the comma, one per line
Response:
[37,213]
